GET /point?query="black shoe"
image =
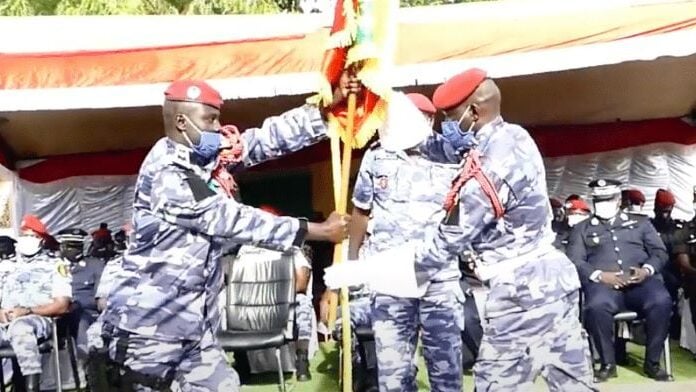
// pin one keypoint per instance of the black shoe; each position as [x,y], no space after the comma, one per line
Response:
[32,382]
[302,366]
[604,373]
[657,374]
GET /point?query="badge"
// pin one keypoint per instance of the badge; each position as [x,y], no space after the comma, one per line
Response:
[193,92]
[383,182]
[595,238]
[62,270]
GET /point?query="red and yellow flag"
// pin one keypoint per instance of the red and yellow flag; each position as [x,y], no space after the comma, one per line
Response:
[363,35]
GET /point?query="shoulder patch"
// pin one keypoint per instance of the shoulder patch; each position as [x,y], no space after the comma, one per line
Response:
[62,270]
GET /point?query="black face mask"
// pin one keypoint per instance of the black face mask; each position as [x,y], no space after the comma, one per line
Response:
[72,254]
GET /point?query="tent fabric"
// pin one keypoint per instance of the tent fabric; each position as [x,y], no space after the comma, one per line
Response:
[86,201]
[507,44]
[552,142]
[647,155]
[77,202]
[298,53]
[647,168]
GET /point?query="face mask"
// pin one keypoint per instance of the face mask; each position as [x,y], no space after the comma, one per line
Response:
[72,254]
[28,246]
[460,141]
[574,219]
[606,209]
[208,144]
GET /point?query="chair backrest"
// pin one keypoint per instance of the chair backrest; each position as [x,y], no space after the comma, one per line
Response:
[260,290]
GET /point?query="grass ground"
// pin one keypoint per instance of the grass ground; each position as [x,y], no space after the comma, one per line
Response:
[325,375]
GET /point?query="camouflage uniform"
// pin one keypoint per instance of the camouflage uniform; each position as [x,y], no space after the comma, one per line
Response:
[531,325]
[405,193]
[303,316]
[163,319]
[34,282]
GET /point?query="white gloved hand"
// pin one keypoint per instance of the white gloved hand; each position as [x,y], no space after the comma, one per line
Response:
[348,273]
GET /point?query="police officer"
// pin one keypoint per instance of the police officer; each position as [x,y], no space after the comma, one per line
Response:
[86,273]
[162,321]
[673,233]
[575,211]
[404,192]
[38,288]
[8,258]
[632,201]
[110,276]
[558,222]
[684,253]
[498,207]
[619,257]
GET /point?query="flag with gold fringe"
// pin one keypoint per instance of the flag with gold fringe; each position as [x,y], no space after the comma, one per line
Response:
[363,35]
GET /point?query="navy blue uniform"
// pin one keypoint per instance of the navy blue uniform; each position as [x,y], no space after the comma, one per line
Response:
[616,246]
[86,274]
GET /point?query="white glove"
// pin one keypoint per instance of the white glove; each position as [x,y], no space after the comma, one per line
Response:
[348,273]
[390,272]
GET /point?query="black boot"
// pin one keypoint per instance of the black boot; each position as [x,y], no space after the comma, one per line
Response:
[605,373]
[96,372]
[32,382]
[302,366]
[653,371]
[371,384]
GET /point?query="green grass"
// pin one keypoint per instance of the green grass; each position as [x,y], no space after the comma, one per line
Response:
[325,372]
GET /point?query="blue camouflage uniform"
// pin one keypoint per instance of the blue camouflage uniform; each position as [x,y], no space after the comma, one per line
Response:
[531,324]
[628,241]
[35,281]
[405,192]
[163,319]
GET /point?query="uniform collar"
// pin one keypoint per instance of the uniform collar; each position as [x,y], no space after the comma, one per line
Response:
[182,155]
[484,134]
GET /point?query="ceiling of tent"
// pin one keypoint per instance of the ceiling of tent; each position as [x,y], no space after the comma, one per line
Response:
[662,88]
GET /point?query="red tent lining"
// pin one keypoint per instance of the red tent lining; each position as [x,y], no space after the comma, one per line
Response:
[553,141]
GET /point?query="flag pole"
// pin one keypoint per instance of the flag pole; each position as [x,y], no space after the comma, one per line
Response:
[346,335]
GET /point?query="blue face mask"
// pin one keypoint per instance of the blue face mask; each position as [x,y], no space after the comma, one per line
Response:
[459,140]
[208,144]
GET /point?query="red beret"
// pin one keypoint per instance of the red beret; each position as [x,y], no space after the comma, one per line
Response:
[458,88]
[664,199]
[193,91]
[422,103]
[635,197]
[32,222]
[577,204]
[270,209]
[555,203]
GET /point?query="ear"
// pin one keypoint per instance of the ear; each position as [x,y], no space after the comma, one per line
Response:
[180,122]
[475,111]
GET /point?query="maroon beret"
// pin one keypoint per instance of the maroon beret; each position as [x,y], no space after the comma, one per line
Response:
[664,199]
[458,88]
[422,103]
[193,91]
[635,197]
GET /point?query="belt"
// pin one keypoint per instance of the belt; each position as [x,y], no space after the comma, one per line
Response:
[486,272]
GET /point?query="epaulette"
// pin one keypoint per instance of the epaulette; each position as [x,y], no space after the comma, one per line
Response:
[637,217]
[374,145]
[181,157]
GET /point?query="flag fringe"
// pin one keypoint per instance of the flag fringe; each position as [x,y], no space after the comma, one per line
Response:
[345,37]
[367,129]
